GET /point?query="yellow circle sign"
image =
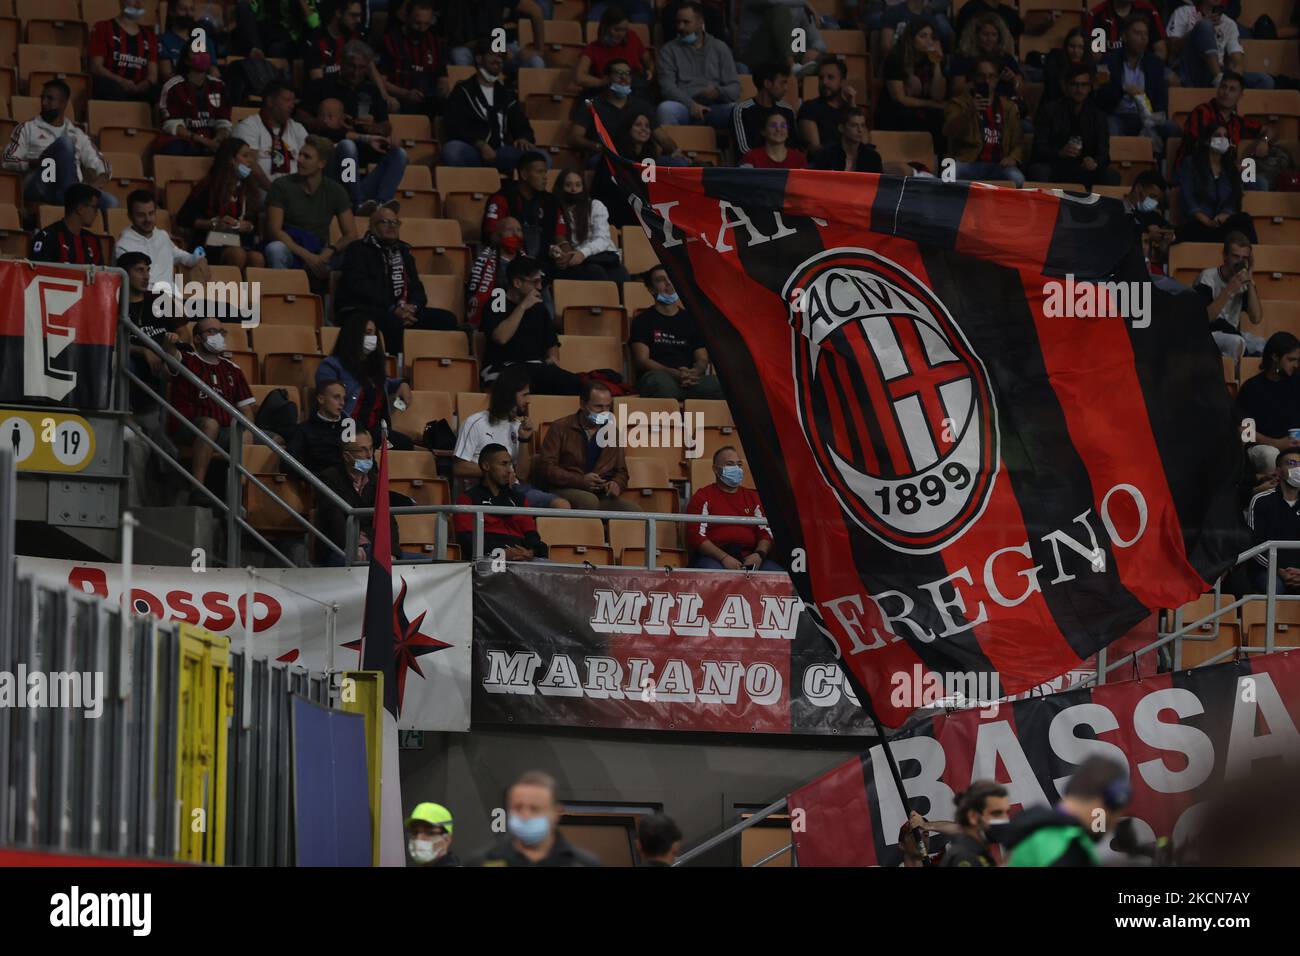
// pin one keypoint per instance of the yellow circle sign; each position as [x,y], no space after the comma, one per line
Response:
[47,441]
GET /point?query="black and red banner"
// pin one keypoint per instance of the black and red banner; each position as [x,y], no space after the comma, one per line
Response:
[1181,735]
[978,482]
[58,330]
[689,651]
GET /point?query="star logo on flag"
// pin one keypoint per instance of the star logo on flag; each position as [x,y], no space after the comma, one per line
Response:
[409,644]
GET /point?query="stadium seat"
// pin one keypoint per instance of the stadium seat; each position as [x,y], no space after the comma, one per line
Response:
[13,239]
[638,256]
[437,247]
[1276,216]
[444,374]
[544,409]
[548,93]
[575,540]
[716,414]
[1280,11]
[414,134]
[236,336]
[128,176]
[417,177]
[1187,259]
[1254,623]
[1279,316]
[1114,192]
[455,74]
[1064,19]
[702,474]
[11,32]
[23,108]
[699,143]
[445,292]
[422,491]
[420,343]
[1131,156]
[53,23]
[904,147]
[640,29]
[465,192]
[549,136]
[34,57]
[410,465]
[648,484]
[469,403]
[92,11]
[1248,367]
[1230,376]
[627,540]
[419,203]
[420,533]
[249,364]
[268,515]
[188,169]
[1277,272]
[561,41]
[590,308]
[291,368]
[106,113]
[423,407]
[284,338]
[279,281]
[261,391]
[1279,108]
[1207,644]
[636,297]
[586,353]
[1271,56]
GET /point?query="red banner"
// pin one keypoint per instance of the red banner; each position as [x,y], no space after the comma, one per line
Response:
[1181,736]
[58,327]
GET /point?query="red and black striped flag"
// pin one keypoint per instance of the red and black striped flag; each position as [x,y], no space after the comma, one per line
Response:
[968,480]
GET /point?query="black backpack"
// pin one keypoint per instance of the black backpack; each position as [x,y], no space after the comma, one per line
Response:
[1264,28]
[438,436]
[278,414]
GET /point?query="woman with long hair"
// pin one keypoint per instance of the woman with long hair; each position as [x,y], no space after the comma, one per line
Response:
[987,36]
[1210,192]
[221,209]
[635,141]
[360,363]
[774,152]
[615,40]
[915,87]
[583,247]
[1074,51]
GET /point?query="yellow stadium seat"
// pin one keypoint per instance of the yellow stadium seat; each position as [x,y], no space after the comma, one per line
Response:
[415,135]
[1278,108]
[417,177]
[1208,643]
[437,247]
[469,403]
[1254,619]
[648,484]
[1271,56]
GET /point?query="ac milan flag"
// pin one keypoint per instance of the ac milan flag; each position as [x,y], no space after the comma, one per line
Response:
[986,441]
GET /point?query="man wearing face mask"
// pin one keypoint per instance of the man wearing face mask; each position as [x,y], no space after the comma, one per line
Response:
[219,376]
[527,199]
[124,56]
[181,24]
[697,74]
[488,272]
[486,119]
[579,461]
[1067,834]
[731,547]
[428,836]
[1273,516]
[49,136]
[981,813]
[353,481]
[617,106]
[532,837]
[1143,203]
[667,349]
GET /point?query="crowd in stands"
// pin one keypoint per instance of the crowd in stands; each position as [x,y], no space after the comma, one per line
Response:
[335,152]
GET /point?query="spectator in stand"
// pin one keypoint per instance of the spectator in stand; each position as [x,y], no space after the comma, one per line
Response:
[579,463]
[616,42]
[915,87]
[617,107]
[1270,399]
[638,11]
[352,481]
[181,24]
[1210,44]
[771,80]
[71,240]
[360,363]
[668,352]
[820,119]
[524,334]
[1222,111]
[1136,94]
[318,442]
[774,151]
[1144,202]
[987,36]
[983,128]
[504,422]
[143,235]
[265,29]
[428,836]
[354,151]
[716,17]
[899,17]
[274,135]
[299,210]
[532,835]
[1072,139]
[50,135]
[1274,515]
[636,142]
[1110,16]
[850,151]
[124,56]
[469,31]
[380,280]
[325,47]
[697,75]
[732,547]
[223,205]
[1228,293]
[982,811]
[766,30]
[583,248]
[1209,192]
[415,73]
[195,110]
[488,272]
[658,839]
[145,362]
[514,535]
[527,199]
[356,85]
[1009,15]
[486,119]
[219,376]
[1074,51]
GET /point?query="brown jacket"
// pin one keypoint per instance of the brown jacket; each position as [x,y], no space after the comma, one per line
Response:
[961,124]
[563,460]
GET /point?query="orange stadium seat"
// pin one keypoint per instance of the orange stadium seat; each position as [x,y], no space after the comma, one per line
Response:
[423,407]
[648,484]
[548,93]
[904,147]
[551,136]
[10,34]
[627,540]
[585,353]
[562,40]
[638,257]
[1276,216]
[699,143]
[444,374]
[1131,156]
[575,540]
[414,134]
[444,292]
[465,193]
[590,308]
[437,247]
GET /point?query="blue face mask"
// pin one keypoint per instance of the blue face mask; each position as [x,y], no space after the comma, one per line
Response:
[620,89]
[598,418]
[690,38]
[1148,204]
[530,831]
[243,171]
[666,298]
[363,465]
[733,475]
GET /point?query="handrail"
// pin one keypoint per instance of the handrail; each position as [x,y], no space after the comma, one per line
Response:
[732,831]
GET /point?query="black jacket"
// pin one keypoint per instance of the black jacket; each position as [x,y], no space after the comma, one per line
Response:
[833,157]
[1054,130]
[965,850]
[499,530]
[563,853]
[538,216]
[333,523]
[469,117]
[318,444]
[366,283]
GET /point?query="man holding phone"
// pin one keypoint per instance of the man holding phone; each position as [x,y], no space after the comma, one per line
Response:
[983,128]
[1228,292]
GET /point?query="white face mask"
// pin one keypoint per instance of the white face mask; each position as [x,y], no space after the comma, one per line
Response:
[1219,144]
[216,343]
[425,849]
[488,77]
[370,343]
[1293,476]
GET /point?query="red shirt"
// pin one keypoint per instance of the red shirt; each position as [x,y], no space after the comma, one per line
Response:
[631,49]
[411,63]
[758,158]
[125,55]
[742,503]
[202,109]
[991,129]
[225,378]
[1207,116]
[326,51]
[57,244]
[1103,15]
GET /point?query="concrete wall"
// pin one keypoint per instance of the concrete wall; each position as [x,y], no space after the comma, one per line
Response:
[697,778]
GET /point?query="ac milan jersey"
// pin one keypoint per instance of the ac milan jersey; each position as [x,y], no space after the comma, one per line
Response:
[201,110]
[325,51]
[125,55]
[57,244]
[224,378]
[411,63]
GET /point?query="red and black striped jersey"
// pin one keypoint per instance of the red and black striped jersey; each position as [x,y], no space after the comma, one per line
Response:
[57,243]
[326,52]
[223,377]
[125,55]
[411,62]
[202,109]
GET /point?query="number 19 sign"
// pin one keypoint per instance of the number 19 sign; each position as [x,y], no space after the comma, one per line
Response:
[47,441]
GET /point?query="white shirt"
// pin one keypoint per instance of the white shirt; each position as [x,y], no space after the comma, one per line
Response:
[598,238]
[1231,312]
[33,137]
[163,255]
[252,130]
[477,432]
[1226,35]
